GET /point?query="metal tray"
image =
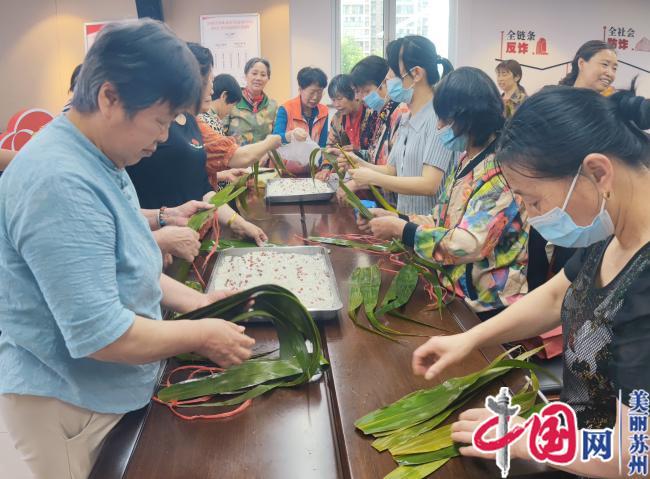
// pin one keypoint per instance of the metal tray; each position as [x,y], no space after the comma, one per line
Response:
[317,314]
[297,198]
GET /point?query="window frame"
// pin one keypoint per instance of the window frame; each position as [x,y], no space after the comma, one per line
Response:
[390,27]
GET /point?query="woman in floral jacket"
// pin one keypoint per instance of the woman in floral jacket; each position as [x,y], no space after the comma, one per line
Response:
[251,120]
[478,230]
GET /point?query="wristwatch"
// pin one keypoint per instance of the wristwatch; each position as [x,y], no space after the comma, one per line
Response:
[161,220]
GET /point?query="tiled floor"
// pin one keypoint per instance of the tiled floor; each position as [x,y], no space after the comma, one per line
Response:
[11,466]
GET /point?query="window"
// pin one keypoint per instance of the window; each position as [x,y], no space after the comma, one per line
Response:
[362,31]
[366,26]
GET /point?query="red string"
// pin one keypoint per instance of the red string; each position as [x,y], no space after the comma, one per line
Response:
[198,275]
[173,405]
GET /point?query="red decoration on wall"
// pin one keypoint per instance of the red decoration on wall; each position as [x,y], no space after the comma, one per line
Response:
[22,126]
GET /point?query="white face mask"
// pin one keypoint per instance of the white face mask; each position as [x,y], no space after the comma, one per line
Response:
[557,226]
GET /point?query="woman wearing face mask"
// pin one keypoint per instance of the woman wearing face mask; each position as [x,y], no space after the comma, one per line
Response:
[418,162]
[478,230]
[252,118]
[581,164]
[594,66]
[369,78]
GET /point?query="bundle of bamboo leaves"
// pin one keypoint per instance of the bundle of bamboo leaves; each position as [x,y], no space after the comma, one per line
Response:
[365,285]
[300,354]
[351,198]
[410,427]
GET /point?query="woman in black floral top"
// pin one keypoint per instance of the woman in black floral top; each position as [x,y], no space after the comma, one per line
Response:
[581,164]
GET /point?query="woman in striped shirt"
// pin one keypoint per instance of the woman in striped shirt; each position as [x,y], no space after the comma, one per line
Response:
[418,162]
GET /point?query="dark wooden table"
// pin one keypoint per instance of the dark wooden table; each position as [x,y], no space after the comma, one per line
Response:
[306,432]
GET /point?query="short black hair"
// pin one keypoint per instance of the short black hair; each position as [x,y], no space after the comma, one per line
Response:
[341,85]
[203,56]
[514,67]
[145,62]
[226,83]
[73,77]
[252,61]
[553,131]
[469,99]
[372,69]
[308,76]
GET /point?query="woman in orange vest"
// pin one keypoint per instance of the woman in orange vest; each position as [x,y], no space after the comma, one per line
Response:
[304,115]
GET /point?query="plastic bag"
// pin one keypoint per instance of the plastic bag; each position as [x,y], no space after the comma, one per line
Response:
[296,155]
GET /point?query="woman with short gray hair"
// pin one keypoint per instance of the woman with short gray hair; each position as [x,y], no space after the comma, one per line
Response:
[80,305]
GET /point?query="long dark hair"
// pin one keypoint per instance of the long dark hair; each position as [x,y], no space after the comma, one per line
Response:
[469,99]
[586,51]
[554,130]
[417,51]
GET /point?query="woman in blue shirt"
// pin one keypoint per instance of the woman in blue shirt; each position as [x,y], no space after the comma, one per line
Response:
[80,305]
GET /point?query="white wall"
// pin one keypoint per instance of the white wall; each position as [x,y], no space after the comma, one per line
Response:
[41,41]
[564,24]
[183,17]
[312,37]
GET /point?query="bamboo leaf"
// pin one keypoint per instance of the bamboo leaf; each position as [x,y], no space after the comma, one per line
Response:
[426,457]
[425,403]
[278,164]
[312,162]
[400,290]
[300,350]
[416,472]
[382,201]
[256,176]
[382,248]
[356,299]
[355,202]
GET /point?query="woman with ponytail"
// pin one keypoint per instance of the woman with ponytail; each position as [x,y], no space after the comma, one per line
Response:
[418,162]
[581,164]
[594,67]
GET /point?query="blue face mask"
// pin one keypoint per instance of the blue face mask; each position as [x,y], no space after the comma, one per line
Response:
[557,226]
[451,141]
[397,92]
[374,101]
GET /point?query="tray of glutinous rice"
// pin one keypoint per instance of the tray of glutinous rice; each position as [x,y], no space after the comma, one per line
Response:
[297,190]
[306,271]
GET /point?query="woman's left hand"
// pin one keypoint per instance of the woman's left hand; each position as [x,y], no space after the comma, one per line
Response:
[180,215]
[463,430]
[231,175]
[387,227]
[363,176]
[245,229]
